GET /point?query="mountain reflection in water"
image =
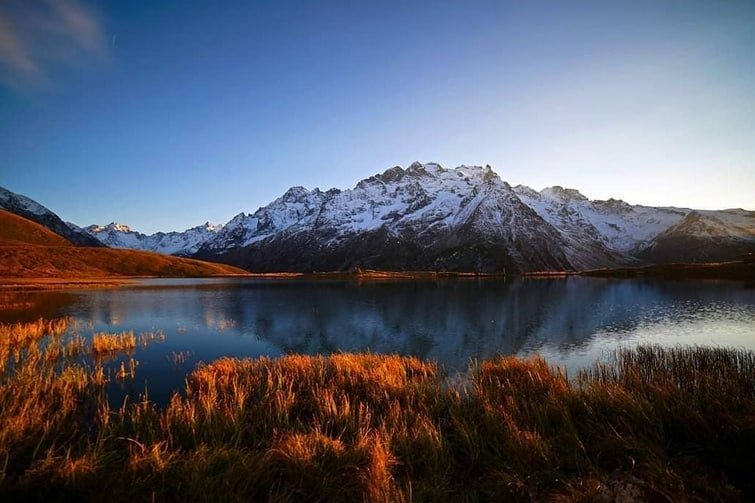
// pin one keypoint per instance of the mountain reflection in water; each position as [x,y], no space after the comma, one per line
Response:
[569,320]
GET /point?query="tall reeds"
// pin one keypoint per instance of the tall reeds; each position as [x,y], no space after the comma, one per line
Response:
[109,343]
[659,424]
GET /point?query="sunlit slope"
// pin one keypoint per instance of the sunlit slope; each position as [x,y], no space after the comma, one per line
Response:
[16,230]
[29,250]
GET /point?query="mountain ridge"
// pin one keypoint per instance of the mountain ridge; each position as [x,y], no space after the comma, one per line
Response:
[466,218]
[184,243]
[29,250]
[427,217]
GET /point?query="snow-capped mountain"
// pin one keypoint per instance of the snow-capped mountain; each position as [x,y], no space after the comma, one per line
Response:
[428,217]
[647,233]
[28,208]
[175,243]
[431,218]
[424,217]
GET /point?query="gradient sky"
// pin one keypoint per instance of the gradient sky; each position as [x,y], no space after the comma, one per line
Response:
[162,115]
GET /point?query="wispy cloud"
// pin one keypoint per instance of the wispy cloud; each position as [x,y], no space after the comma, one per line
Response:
[39,35]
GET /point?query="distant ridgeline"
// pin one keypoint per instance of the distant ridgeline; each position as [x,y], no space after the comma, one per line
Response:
[32,210]
[467,219]
[31,251]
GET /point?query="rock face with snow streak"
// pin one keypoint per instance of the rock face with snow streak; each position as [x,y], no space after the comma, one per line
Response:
[32,210]
[704,236]
[467,219]
[642,234]
[183,243]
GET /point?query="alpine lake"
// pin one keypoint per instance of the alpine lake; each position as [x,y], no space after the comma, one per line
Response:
[571,321]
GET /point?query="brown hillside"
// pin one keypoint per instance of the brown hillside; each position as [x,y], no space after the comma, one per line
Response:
[28,250]
[17,230]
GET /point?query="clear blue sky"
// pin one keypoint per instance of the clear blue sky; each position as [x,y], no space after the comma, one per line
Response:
[162,115]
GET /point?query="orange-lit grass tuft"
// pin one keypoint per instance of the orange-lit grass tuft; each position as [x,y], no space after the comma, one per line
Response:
[19,340]
[109,343]
[16,334]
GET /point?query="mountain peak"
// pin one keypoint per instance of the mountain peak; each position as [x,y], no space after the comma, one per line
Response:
[427,168]
[294,194]
[564,194]
[391,174]
[112,226]
[206,227]
[119,227]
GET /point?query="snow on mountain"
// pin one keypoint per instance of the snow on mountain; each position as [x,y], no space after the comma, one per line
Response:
[430,217]
[601,233]
[175,243]
[20,202]
[735,223]
[421,198]
[645,233]
[704,236]
[32,210]
[467,218]
[617,225]
[422,217]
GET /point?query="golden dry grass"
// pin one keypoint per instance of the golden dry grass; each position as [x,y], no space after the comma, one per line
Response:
[733,270]
[17,338]
[24,261]
[123,342]
[15,230]
[108,343]
[16,334]
[665,424]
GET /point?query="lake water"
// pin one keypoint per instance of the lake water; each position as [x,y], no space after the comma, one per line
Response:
[571,321]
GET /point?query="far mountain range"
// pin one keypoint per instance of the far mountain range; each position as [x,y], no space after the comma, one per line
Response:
[427,217]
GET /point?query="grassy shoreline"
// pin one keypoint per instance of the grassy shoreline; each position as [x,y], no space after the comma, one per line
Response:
[739,271]
[62,283]
[663,424]
[736,270]
[23,283]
